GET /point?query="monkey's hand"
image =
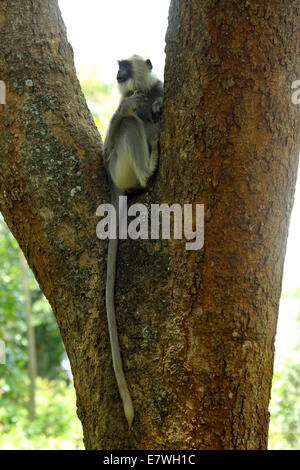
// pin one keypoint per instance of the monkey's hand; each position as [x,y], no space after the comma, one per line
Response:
[157,109]
[133,102]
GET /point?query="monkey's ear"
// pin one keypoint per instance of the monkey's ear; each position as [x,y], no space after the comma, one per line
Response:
[148,63]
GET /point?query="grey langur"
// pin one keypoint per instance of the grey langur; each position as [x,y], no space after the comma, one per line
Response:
[130,156]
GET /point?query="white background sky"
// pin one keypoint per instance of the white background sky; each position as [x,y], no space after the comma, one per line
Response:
[103,31]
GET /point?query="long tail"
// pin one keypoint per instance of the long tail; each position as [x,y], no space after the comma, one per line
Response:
[112,325]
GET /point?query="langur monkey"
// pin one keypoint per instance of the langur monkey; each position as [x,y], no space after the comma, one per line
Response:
[130,156]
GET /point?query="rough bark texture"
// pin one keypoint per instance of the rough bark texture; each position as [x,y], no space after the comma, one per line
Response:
[196,328]
[51,178]
[232,133]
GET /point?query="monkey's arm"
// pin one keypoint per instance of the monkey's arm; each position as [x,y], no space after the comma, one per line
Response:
[157,107]
[127,107]
[111,134]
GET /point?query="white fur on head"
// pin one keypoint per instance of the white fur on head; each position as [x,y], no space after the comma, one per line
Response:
[143,78]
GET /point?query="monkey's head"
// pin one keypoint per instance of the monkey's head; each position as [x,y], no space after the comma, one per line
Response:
[135,74]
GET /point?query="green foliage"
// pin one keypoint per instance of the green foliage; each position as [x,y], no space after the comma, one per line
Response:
[285,407]
[55,425]
[49,346]
[50,349]
[285,404]
[99,98]
[12,320]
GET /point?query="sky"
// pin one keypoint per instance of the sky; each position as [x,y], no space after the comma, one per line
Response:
[103,31]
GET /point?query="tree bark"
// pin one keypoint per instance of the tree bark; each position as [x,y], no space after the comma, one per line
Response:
[196,328]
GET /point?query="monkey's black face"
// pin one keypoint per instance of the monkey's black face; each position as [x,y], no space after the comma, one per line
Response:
[125,71]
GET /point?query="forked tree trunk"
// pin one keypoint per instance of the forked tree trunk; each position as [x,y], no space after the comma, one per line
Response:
[196,327]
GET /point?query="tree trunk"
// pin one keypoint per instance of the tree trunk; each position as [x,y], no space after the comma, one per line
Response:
[196,327]
[30,336]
